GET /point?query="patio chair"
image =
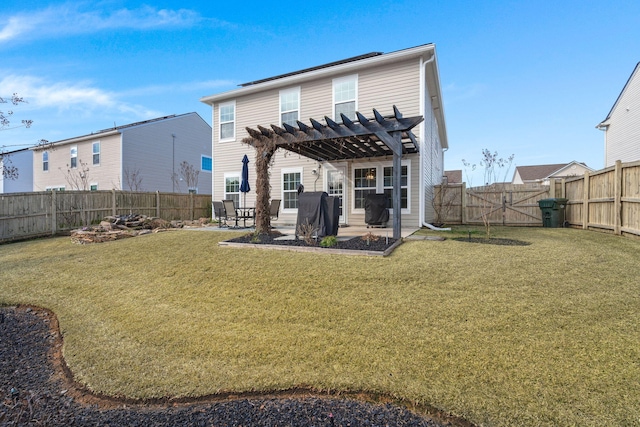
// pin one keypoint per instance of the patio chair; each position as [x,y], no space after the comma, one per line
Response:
[220,213]
[230,210]
[274,208]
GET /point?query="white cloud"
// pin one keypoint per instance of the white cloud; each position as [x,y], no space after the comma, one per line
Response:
[63,96]
[70,19]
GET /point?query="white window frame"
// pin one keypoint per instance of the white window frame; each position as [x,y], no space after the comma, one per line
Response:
[94,154]
[93,184]
[285,109]
[73,155]
[408,187]
[202,157]
[222,122]
[334,101]
[380,187]
[283,172]
[45,161]
[235,196]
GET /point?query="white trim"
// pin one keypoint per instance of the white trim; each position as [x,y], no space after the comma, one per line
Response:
[339,80]
[221,122]
[99,153]
[92,184]
[288,91]
[237,175]
[72,149]
[43,161]
[284,171]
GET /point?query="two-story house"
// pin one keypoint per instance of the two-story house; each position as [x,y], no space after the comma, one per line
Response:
[166,154]
[21,162]
[407,79]
[622,125]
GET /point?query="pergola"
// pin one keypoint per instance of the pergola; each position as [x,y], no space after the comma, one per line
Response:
[365,138]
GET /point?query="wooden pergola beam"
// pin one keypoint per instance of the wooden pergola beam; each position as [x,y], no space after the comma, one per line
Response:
[364,138]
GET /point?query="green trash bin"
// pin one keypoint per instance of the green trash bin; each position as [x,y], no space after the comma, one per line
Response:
[553,212]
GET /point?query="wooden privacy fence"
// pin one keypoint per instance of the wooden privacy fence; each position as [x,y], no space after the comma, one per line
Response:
[25,215]
[606,200]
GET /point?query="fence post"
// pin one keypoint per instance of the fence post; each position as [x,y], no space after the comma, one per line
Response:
[617,201]
[563,189]
[463,203]
[191,206]
[585,202]
[552,188]
[113,202]
[158,204]
[54,220]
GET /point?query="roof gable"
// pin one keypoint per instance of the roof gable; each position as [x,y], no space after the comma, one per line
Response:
[605,123]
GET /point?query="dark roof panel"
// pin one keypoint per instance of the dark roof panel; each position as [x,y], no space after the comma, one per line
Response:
[318,67]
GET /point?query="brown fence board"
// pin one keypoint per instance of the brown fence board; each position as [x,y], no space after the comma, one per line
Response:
[24,215]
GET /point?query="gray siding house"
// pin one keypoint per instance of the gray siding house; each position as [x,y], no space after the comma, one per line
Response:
[141,156]
[22,160]
[622,125]
[407,79]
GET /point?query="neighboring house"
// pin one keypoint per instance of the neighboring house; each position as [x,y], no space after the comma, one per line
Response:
[22,160]
[407,78]
[453,176]
[622,125]
[541,174]
[142,156]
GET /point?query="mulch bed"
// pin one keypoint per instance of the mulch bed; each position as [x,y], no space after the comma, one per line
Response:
[373,243]
[36,390]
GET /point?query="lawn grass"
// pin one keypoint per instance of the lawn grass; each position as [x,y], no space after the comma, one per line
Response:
[545,334]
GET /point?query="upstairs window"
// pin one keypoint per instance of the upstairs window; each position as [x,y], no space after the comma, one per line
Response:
[45,161]
[228,121]
[74,158]
[290,106]
[345,94]
[96,153]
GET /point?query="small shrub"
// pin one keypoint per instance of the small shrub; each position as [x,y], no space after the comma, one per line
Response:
[307,231]
[329,241]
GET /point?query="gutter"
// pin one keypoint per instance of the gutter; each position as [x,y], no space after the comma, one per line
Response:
[423,75]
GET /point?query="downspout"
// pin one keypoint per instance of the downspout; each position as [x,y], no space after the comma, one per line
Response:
[423,75]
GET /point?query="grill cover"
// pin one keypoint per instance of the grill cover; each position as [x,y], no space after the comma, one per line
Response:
[375,209]
[319,210]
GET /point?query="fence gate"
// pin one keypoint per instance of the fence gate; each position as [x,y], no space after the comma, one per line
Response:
[505,204]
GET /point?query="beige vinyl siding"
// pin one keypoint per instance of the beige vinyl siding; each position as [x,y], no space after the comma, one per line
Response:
[379,86]
[623,134]
[59,158]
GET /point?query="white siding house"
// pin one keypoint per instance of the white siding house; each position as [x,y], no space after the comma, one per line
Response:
[22,160]
[542,174]
[622,125]
[141,156]
[407,79]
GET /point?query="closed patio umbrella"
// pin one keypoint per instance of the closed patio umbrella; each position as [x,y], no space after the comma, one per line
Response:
[244,184]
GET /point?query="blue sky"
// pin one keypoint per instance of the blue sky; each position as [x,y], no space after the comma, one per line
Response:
[530,78]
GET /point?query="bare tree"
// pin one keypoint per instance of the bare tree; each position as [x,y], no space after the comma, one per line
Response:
[5,121]
[443,202]
[188,174]
[77,178]
[492,166]
[133,179]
